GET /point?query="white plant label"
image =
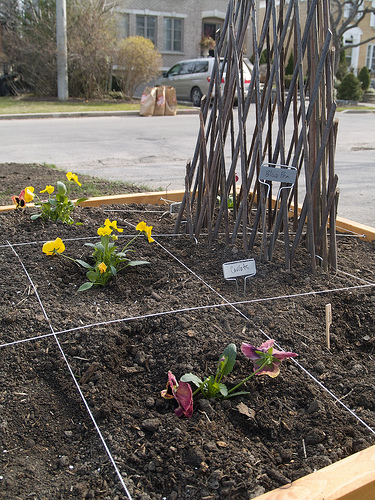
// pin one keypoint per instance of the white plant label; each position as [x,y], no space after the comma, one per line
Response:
[268,173]
[239,268]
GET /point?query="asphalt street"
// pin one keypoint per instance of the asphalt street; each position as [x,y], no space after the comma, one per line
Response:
[154,151]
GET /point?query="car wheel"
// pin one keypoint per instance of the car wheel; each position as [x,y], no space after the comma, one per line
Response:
[196,96]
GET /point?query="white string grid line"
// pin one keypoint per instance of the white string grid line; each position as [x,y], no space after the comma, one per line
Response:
[227,303]
[74,379]
[349,231]
[186,309]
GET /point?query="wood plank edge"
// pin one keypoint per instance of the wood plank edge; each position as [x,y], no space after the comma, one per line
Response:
[352,478]
[165,197]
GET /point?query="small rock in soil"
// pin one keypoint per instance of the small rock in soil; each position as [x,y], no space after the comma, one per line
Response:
[204,405]
[211,447]
[315,406]
[315,436]
[277,476]
[319,367]
[151,424]
[194,456]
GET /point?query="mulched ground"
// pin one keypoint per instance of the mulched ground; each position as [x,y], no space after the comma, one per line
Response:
[177,313]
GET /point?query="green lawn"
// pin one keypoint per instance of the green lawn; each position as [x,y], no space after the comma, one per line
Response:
[16,105]
[23,105]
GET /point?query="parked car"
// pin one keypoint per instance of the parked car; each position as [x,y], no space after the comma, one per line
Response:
[191,78]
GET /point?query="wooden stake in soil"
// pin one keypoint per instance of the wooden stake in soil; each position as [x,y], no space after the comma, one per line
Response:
[328,324]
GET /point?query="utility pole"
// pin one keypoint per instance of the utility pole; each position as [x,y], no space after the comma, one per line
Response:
[62,51]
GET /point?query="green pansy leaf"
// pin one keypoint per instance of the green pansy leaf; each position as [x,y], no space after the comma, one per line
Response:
[190,377]
[92,275]
[223,390]
[61,188]
[85,286]
[80,200]
[84,264]
[137,262]
[230,353]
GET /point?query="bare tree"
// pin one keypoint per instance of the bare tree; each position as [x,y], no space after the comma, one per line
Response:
[91,39]
[31,45]
[347,14]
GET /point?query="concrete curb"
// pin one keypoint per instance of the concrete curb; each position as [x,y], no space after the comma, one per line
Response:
[87,114]
[98,114]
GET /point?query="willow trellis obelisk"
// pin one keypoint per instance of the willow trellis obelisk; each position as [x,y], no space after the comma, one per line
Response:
[308,104]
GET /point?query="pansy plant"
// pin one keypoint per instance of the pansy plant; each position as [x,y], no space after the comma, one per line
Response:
[108,258]
[57,206]
[212,386]
[266,361]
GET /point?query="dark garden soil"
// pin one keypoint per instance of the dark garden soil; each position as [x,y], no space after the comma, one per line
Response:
[177,313]
[16,176]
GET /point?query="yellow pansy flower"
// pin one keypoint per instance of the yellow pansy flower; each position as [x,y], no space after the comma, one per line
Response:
[73,177]
[53,247]
[104,231]
[102,267]
[112,225]
[141,226]
[144,228]
[29,194]
[148,234]
[49,189]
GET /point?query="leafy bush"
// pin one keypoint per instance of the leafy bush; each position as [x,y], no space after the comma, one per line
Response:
[365,78]
[342,68]
[137,62]
[290,66]
[350,88]
[263,58]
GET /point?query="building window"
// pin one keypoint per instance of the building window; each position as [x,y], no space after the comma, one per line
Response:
[124,25]
[351,8]
[146,27]
[348,51]
[173,34]
[372,15]
[370,57]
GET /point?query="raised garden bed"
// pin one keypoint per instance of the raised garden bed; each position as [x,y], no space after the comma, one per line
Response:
[175,314]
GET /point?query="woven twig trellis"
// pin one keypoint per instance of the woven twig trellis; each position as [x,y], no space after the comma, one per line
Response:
[308,103]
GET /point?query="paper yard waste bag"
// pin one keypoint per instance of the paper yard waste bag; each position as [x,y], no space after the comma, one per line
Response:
[148,100]
[170,101]
[160,101]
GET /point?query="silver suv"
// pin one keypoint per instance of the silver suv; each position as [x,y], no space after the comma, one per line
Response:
[191,78]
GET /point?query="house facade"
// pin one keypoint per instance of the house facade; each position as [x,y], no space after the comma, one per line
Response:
[363,55]
[176,27]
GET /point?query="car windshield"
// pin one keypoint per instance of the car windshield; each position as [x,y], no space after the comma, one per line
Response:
[175,70]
